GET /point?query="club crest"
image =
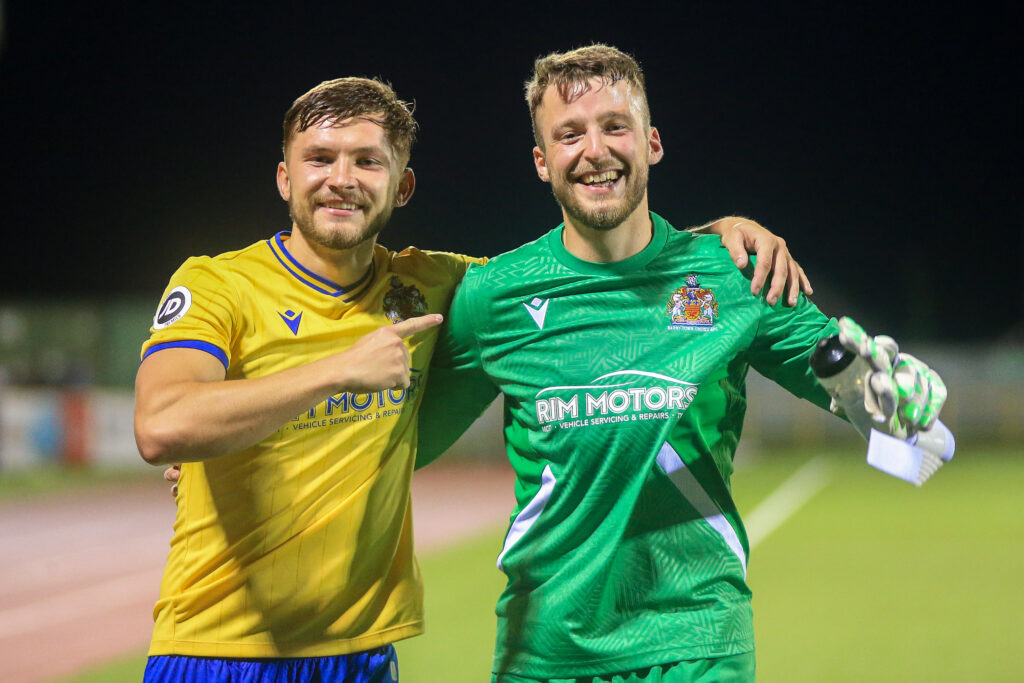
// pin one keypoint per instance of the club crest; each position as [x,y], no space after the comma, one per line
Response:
[402,302]
[692,307]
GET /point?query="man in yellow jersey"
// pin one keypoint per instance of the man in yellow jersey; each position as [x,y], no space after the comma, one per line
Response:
[286,377]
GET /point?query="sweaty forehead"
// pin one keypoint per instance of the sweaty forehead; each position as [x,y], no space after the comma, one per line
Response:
[594,96]
[368,126]
[356,131]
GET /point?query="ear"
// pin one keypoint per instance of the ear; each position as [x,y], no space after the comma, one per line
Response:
[406,186]
[540,162]
[284,186]
[654,144]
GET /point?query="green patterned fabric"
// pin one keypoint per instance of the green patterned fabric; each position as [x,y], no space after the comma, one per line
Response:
[624,401]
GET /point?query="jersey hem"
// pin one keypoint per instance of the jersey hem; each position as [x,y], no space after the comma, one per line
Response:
[268,651]
[617,664]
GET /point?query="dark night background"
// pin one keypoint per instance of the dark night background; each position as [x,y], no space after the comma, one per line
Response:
[882,140]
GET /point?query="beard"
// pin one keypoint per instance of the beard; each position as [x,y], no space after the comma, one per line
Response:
[330,238]
[606,215]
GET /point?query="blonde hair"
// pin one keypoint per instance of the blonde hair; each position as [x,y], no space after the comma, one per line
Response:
[570,73]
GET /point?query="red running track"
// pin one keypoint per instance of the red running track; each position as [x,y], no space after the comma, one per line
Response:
[80,571]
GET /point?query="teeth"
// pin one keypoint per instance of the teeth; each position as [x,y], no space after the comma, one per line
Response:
[594,178]
[346,206]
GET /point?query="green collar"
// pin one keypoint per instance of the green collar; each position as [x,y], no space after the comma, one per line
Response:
[635,262]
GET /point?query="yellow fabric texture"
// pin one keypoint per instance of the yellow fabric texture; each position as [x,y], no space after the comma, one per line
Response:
[300,545]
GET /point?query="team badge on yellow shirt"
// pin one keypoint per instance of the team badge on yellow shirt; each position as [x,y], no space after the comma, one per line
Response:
[402,302]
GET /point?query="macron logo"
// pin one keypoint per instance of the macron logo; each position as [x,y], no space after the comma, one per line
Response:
[537,310]
[292,320]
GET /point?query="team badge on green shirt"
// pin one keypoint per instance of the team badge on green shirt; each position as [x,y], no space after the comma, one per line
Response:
[692,306]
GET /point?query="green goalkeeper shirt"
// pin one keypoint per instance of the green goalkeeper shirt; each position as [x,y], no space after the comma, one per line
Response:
[624,402]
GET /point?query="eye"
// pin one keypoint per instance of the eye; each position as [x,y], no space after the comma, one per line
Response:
[567,136]
[369,161]
[319,160]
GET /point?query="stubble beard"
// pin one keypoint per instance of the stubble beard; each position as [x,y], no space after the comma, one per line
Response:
[603,218]
[333,238]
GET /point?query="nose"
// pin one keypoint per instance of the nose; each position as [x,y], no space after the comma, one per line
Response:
[341,175]
[594,148]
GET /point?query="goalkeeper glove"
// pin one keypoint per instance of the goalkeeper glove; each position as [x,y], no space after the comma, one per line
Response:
[886,394]
[901,392]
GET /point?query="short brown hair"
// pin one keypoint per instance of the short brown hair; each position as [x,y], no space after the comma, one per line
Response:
[570,72]
[344,98]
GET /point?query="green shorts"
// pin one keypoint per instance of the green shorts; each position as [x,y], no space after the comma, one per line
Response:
[731,669]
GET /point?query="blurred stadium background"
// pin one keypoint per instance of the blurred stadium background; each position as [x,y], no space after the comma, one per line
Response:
[857,576]
[882,142]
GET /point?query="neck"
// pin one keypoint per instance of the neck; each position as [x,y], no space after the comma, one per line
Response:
[608,246]
[343,266]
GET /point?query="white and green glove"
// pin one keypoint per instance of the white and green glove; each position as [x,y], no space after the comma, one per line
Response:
[903,395]
[892,398]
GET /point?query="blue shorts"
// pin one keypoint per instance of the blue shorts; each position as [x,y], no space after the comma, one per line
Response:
[373,666]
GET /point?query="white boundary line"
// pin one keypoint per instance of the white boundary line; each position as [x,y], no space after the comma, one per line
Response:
[790,496]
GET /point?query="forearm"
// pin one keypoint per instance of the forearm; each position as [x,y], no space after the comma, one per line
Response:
[189,421]
[185,411]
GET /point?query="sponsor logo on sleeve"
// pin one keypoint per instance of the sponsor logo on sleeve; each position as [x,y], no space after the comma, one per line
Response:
[692,307]
[173,308]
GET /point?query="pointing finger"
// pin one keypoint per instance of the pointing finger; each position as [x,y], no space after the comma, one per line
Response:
[407,328]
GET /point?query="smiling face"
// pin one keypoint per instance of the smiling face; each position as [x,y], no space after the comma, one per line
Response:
[596,153]
[341,180]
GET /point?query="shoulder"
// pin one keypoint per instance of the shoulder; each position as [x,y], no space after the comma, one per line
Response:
[223,265]
[519,264]
[429,266]
[704,244]
[706,254]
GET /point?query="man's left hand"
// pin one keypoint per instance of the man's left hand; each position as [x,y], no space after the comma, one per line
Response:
[742,236]
[171,475]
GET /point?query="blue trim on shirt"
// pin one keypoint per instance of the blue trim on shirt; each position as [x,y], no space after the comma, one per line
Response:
[302,270]
[280,245]
[214,351]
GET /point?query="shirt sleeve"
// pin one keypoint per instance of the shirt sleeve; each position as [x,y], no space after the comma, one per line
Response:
[457,388]
[782,347]
[198,310]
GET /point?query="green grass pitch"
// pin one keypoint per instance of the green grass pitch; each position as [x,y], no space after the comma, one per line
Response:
[871,580]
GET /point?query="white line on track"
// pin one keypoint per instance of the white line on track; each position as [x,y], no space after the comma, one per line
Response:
[790,496]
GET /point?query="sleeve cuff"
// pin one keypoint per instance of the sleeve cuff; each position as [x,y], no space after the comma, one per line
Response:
[209,348]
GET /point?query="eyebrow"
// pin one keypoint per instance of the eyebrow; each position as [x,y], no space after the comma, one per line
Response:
[603,118]
[366,149]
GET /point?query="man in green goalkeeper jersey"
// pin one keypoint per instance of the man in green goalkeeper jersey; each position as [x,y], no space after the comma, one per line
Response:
[621,346]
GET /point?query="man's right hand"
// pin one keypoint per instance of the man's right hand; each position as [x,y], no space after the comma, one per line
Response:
[380,359]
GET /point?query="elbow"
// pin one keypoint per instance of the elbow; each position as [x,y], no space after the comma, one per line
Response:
[157,444]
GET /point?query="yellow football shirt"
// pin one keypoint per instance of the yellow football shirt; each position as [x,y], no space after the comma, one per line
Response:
[301,545]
